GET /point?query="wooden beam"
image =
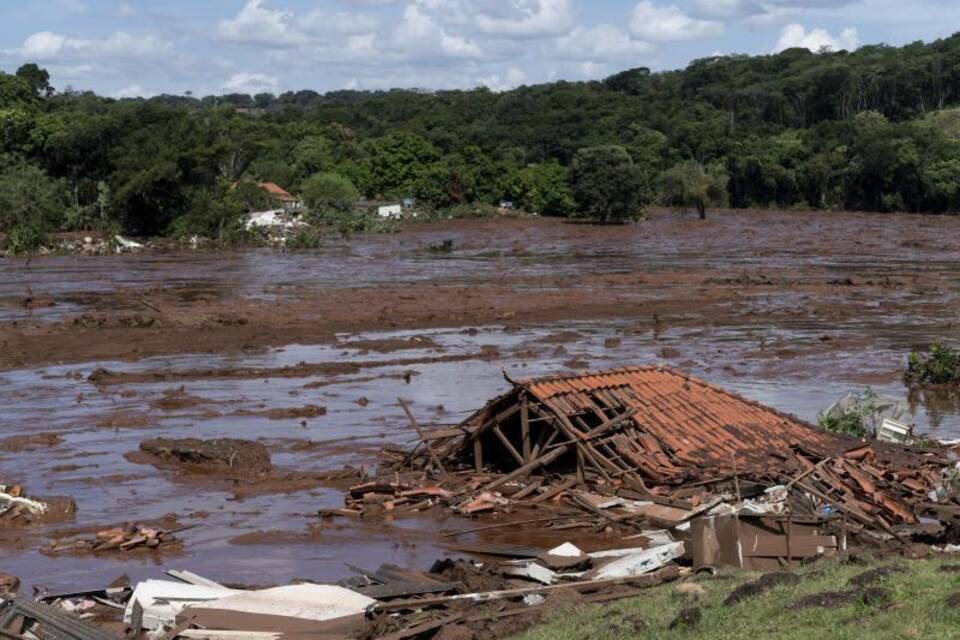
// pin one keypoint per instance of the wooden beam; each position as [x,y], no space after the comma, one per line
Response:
[478,455]
[670,572]
[525,428]
[526,469]
[569,483]
[416,427]
[506,443]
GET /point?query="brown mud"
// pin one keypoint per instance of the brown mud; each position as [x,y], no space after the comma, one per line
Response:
[789,266]
[789,309]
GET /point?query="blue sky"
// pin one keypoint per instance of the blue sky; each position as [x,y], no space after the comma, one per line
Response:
[135,47]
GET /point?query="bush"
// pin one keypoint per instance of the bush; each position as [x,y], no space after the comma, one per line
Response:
[352,223]
[329,191]
[941,365]
[607,186]
[689,184]
[854,420]
[304,239]
[26,238]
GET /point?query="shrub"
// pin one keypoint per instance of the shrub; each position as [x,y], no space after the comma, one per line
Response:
[26,238]
[308,238]
[940,365]
[329,191]
[853,420]
[607,186]
[348,223]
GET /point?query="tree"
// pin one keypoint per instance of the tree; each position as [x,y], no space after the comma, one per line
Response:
[328,192]
[37,78]
[397,163]
[28,196]
[541,188]
[607,185]
[690,184]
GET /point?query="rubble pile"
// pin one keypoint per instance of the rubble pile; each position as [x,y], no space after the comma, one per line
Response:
[653,447]
[122,539]
[17,509]
[648,475]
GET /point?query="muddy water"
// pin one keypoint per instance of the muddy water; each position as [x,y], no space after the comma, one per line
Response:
[797,364]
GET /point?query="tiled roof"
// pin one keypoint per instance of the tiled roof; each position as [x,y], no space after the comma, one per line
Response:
[700,423]
[277,191]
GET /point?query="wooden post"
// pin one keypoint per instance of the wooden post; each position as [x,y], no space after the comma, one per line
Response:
[525,427]
[526,469]
[416,427]
[478,455]
[789,539]
[506,443]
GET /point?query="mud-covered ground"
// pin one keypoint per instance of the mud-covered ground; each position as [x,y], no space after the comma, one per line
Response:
[307,353]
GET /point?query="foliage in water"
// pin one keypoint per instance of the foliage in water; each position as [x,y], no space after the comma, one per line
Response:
[939,365]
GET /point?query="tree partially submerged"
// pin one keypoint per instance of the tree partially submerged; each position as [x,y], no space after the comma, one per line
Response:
[608,186]
[939,365]
[326,191]
[693,185]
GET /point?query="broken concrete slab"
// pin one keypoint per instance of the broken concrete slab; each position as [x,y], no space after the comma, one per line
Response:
[324,610]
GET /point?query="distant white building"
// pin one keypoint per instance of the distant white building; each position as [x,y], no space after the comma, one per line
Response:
[392,211]
[276,218]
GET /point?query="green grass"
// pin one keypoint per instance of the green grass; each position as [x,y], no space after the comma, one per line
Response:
[916,608]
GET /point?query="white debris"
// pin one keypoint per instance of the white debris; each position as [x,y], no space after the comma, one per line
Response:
[533,599]
[8,501]
[532,571]
[274,218]
[566,550]
[123,244]
[314,602]
[657,537]
[162,600]
[637,564]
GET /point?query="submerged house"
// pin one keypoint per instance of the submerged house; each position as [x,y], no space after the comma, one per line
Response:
[280,197]
[636,426]
[383,209]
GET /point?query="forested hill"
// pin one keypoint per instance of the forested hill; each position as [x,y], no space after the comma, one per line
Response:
[872,129]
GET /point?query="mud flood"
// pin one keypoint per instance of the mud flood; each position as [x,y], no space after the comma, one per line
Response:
[308,353]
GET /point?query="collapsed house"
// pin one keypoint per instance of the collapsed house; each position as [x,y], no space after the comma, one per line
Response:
[667,469]
[677,447]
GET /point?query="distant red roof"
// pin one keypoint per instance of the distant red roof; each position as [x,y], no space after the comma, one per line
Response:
[278,192]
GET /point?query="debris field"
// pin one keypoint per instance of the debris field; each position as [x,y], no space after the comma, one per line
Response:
[647,473]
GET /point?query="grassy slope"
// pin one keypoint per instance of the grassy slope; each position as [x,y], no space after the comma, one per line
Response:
[917,609]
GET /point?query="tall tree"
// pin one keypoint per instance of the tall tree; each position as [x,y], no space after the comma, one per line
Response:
[607,185]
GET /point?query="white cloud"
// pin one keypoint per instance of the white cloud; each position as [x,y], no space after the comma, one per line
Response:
[668,23]
[46,46]
[795,35]
[126,10]
[256,24]
[601,43]
[513,79]
[251,83]
[728,9]
[526,18]
[131,91]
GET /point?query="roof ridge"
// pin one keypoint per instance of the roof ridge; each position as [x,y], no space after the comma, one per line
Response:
[606,372]
[671,370]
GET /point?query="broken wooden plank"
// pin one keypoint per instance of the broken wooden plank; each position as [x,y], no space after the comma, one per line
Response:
[414,631]
[670,572]
[526,469]
[500,550]
[509,446]
[416,427]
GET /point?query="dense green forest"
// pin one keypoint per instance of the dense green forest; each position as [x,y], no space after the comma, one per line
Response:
[873,129]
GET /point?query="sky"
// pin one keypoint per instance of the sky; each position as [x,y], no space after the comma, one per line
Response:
[127,48]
